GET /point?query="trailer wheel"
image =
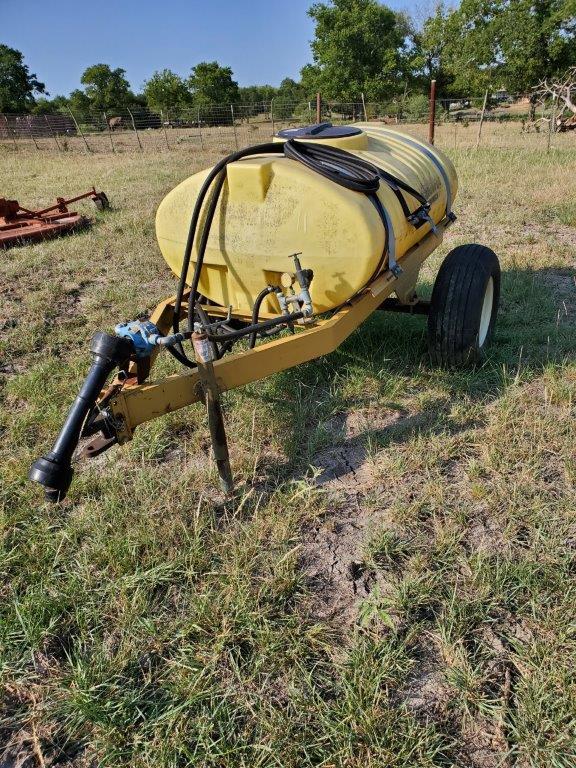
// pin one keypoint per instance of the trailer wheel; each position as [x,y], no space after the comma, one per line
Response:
[464,306]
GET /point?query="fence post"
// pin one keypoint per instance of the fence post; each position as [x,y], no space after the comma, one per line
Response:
[79,129]
[31,133]
[432,112]
[552,124]
[164,128]
[318,108]
[364,107]
[481,119]
[200,130]
[234,125]
[52,132]
[272,116]
[11,132]
[134,126]
[109,131]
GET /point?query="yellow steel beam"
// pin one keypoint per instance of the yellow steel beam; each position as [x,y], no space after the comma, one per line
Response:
[136,404]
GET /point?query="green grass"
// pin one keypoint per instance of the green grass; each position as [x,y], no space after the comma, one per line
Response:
[148,622]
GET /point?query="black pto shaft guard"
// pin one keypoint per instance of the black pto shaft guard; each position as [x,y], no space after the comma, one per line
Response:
[54,469]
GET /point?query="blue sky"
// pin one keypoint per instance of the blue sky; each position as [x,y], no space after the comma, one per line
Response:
[262,40]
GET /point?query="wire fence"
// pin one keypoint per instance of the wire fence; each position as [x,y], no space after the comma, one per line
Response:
[506,121]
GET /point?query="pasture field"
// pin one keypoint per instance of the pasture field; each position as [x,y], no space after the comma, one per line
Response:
[393,584]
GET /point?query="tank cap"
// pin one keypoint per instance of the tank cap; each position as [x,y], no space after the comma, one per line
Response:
[319,131]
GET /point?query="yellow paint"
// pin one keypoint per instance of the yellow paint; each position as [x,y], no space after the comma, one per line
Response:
[272,207]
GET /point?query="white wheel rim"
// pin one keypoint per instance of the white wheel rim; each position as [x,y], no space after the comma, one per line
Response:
[486,315]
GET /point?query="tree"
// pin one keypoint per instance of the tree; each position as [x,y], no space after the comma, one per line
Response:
[17,84]
[212,84]
[79,103]
[560,89]
[490,43]
[166,92]
[289,95]
[106,88]
[432,48]
[50,106]
[537,39]
[254,95]
[359,47]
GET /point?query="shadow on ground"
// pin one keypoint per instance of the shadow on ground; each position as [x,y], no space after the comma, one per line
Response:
[364,396]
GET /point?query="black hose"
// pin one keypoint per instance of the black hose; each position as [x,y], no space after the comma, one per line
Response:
[263,326]
[258,149]
[256,311]
[336,165]
[178,354]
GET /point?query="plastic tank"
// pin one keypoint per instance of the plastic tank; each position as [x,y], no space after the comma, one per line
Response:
[272,207]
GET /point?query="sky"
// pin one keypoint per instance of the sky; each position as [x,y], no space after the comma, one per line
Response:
[262,40]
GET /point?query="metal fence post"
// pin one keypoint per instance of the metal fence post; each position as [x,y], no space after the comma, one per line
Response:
[200,130]
[481,120]
[432,112]
[10,132]
[164,128]
[52,132]
[32,133]
[318,108]
[234,125]
[134,126]
[109,131]
[79,130]
[272,116]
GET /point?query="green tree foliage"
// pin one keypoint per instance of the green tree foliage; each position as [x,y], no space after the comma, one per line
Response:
[79,102]
[211,83]
[289,95]
[256,94]
[106,88]
[432,51]
[359,46]
[492,43]
[166,92]
[44,106]
[17,84]
[537,39]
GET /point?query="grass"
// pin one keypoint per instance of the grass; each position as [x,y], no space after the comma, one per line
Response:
[147,622]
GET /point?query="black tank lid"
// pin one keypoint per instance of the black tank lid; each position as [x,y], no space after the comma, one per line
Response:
[319,131]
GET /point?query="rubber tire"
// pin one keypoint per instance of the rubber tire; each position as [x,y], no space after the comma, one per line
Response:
[456,306]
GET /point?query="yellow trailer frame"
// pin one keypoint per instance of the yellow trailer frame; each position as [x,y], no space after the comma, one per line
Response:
[133,404]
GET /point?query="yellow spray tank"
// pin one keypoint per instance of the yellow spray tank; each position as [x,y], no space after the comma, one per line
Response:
[277,236]
[271,207]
